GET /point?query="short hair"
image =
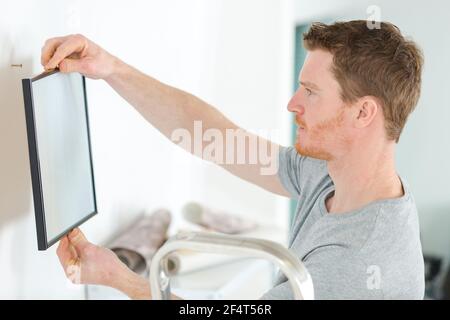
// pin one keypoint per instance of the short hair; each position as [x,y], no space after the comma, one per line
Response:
[373,61]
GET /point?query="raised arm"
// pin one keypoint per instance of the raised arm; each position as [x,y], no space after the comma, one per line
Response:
[183,118]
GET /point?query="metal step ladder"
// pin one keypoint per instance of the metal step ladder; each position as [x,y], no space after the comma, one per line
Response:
[289,264]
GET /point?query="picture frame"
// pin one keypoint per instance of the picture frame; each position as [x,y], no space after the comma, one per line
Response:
[60,154]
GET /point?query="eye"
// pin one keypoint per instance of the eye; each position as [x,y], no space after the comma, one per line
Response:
[308,91]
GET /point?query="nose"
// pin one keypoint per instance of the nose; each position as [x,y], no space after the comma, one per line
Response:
[295,104]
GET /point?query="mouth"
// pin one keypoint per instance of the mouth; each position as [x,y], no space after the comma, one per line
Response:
[299,125]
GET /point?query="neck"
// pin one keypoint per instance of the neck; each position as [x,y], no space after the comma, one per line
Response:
[361,177]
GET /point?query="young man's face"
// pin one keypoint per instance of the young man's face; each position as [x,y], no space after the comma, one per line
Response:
[323,131]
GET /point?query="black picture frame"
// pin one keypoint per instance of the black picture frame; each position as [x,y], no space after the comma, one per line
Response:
[35,167]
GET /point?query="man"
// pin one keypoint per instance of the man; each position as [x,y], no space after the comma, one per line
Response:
[356,225]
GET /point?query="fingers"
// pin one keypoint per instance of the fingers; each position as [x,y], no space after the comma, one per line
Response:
[70,65]
[65,255]
[61,48]
[49,49]
[69,260]
[78,241]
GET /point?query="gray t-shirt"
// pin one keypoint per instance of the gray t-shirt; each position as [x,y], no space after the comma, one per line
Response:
[370,253]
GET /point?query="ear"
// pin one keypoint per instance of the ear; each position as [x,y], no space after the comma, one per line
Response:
[366,110]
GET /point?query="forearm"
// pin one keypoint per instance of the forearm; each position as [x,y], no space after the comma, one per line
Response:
[169,109]
[165,107]
[136,287]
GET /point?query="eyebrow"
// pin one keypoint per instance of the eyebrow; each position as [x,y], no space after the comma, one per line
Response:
[308,84]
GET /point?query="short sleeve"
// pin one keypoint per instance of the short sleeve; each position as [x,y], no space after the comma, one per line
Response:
[299,174]
[289,162]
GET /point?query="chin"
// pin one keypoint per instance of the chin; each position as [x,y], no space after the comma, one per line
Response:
[312,152]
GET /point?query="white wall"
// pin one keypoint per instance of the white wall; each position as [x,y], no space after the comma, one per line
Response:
[237,55]
[229,53]
[424,148]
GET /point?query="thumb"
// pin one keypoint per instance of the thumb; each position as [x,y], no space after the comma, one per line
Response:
[71,65]
[78,241]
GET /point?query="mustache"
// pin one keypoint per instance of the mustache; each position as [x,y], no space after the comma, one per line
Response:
[300,123]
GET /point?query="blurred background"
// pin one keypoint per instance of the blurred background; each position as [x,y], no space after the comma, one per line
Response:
[242,57]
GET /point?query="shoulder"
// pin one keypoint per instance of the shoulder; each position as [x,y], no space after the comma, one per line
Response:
[397,222]
[394,247]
